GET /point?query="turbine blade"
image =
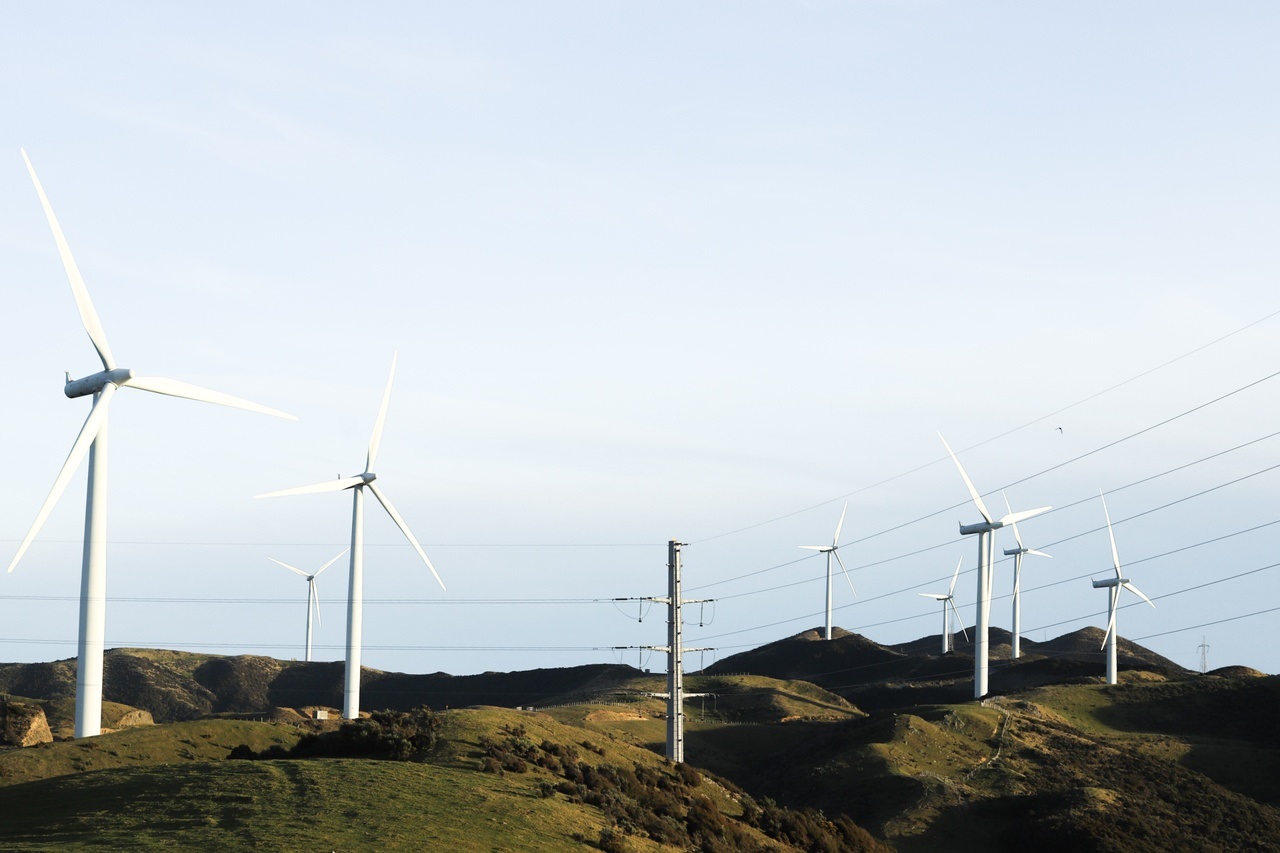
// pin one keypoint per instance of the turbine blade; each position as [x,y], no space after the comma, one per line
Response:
[330,563]
[1111,621]
[315,597]
[963,632]
[293,569]
[92,425]
[977,498]
[846,571]
[951,589]
[187,391]
[1039,553]
[1017,536]
[1015,517]
[1017,581]
[835,540]
[1133,589]
[376,439]
[1115,555]
[88,316]
[936,596]
[815,547]
[316,488]
[404,528]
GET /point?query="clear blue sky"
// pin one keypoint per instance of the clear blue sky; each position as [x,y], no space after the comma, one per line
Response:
[653,270]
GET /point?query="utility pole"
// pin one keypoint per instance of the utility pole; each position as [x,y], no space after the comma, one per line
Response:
[1204,655]
[675,657]
[675,650]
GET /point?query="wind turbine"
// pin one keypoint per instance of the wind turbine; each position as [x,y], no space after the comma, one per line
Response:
[92,441]
[1017,554]
[313,597]
[355,595]
[949,600]
[985,530]
[833,550]
[1113,587]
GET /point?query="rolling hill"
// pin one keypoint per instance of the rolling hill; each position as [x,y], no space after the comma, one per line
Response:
[884,741]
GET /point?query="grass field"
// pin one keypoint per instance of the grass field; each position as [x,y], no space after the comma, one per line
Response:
[337,804]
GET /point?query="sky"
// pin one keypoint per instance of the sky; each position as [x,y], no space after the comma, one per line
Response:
[694,271]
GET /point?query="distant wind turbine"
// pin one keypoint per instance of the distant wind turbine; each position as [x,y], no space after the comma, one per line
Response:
[92,441]
[1017,554]
[833,550]
[949,601]
[986,547]
[355,595]
[1113,587]
[313,596]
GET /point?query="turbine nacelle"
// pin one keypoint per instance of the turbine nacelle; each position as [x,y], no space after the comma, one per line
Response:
[980,527]
[1109,582]
[94,383]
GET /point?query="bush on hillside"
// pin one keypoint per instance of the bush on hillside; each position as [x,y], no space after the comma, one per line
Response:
[388,735]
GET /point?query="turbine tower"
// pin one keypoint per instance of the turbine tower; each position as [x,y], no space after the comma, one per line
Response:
[1113,587]
[833,550]
[92,441]
[355,593]
[313,597]
[1017,554]
[949,601]
[985,531]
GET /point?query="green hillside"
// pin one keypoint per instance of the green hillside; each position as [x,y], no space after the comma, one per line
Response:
[1165,760]
[495,779]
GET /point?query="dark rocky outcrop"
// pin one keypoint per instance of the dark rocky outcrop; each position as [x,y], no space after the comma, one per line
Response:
[23,725]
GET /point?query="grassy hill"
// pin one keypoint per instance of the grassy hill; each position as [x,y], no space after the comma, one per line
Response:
[882,738]
[174,686]
[495,779]
[1144,765]
[876,677]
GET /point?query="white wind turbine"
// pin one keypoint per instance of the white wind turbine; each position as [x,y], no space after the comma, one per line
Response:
[986,546]
[313,596]
[949,601]
[1017,554]
[833,550]
[355,595]
[92,441]
[1113,587]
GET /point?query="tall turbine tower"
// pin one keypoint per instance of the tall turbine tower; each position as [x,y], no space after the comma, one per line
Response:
[833,550]
[1113,587]
[949,600]
[355,594]
[1017,553]
[92,441]
[313,597]
[985,530]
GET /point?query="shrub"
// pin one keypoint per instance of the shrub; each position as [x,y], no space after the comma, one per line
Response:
[612,841]
[391,735]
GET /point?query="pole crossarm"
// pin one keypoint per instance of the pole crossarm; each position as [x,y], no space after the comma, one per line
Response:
[668,695]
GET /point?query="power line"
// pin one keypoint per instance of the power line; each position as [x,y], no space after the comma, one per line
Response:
[1007,433]
[292,601]
[926,615]
[170,543]
[1061,508]
[926,549]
